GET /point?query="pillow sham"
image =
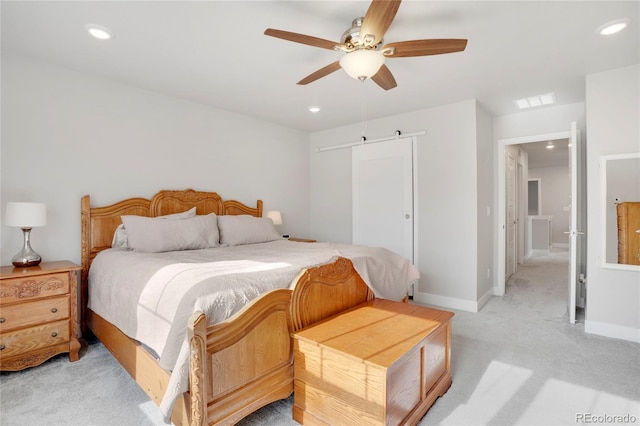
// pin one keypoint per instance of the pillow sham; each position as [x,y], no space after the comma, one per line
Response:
[157,235]
[245,229]
[120,236]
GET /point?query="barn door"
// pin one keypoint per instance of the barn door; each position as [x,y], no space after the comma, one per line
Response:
[383,209]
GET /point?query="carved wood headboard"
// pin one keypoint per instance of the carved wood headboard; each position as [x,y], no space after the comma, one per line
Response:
[98,224]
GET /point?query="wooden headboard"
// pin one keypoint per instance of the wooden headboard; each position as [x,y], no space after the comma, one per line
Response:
[99,223]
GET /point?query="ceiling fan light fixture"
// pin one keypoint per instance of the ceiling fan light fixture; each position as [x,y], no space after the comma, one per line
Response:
[362,63]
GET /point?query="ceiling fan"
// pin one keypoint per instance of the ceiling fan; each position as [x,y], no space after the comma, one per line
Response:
[364,51]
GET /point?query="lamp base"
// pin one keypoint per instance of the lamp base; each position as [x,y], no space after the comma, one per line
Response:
[23,263]
[26,256]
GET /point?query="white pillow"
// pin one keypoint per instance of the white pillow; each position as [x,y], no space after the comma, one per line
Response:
[245,229]
[120,236]
[157,235]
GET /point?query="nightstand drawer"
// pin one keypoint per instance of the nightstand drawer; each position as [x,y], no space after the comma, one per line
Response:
[32,313]
[34,287]
[30,339]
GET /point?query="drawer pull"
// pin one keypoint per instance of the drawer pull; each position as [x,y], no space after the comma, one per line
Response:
[54,310]
[2,320]
[54,333]
[2,347]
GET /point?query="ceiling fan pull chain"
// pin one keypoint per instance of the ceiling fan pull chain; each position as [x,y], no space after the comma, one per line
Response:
[364,112]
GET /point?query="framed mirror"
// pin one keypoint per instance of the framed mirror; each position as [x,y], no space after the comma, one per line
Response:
[620,182]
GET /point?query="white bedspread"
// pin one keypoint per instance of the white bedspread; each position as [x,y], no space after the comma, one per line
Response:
[150,296]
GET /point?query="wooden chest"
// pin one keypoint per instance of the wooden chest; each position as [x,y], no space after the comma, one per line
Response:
[381,363]
[38,314]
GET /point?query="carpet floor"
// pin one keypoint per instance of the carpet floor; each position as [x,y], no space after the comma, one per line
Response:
[516,362]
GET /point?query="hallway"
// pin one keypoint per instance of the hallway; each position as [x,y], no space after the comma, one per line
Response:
[539,288]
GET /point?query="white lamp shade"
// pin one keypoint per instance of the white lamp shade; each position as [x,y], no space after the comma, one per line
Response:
[275,216]
[362,63]
[26,215]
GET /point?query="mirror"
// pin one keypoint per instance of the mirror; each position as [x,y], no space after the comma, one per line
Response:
[620,180]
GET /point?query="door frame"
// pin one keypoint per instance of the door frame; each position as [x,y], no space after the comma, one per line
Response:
[499,285]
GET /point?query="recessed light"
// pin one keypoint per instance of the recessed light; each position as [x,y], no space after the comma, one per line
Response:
[99,32]
[613,27]
[314,108]
[536,101]
[550,145]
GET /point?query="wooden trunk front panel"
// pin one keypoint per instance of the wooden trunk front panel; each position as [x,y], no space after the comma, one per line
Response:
[374,365]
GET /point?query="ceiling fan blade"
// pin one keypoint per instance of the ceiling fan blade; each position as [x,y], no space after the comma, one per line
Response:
[322,72]
[378,20]
[384,78]
[403,49]
[301,38]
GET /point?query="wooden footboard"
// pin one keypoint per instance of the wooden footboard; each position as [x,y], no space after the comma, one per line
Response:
[245,362]
[240,365]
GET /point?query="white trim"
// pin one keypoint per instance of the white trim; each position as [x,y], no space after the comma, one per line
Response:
[453,302]
[414,142]
[499,283]
[366,141]
[612,330]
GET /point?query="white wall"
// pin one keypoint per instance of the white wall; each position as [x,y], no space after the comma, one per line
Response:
[538,122]
[449,193]
[613,108]
[485,212]
[67,134]
[556,197]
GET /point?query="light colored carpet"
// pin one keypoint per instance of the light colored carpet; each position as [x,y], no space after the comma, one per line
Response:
[518,361]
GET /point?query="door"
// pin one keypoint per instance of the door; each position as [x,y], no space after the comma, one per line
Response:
[382,175]
[510,215]
[576,241]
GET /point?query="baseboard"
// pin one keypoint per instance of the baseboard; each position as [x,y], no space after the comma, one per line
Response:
[612,330]
[452,302]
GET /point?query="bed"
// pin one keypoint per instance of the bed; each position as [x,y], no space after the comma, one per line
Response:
[229,364]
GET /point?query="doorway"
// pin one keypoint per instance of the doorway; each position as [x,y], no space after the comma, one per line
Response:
[507,225]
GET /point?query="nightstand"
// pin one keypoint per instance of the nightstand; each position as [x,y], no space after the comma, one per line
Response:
[302,240]
[38,314]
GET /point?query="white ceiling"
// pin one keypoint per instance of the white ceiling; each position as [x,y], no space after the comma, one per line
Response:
[215,53]
[541,156]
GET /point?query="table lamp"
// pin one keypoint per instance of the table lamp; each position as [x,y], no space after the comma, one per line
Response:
[275,216]
[26,216]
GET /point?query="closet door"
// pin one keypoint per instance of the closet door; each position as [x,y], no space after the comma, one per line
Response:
[383,210]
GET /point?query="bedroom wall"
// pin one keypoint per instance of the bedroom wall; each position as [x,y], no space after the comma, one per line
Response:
[449,193]
[485,211]
[66,134]
[613,108]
